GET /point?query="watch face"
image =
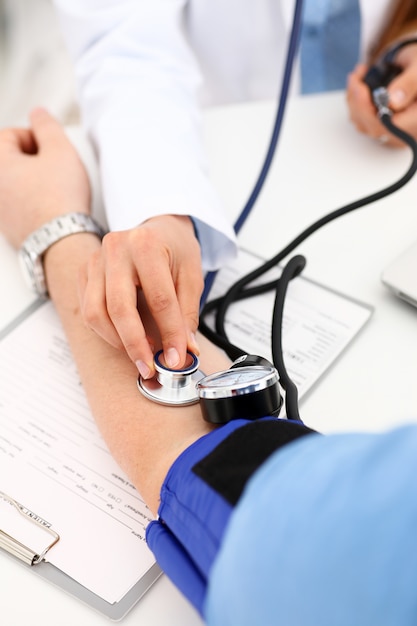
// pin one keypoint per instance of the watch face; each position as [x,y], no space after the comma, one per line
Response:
[238,381]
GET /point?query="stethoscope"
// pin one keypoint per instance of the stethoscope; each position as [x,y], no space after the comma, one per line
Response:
[251,387]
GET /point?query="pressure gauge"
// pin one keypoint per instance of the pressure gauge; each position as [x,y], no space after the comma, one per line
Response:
[248,390]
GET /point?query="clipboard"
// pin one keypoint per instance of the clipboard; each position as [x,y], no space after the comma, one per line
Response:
[13,545]
[35,558]
[30,539]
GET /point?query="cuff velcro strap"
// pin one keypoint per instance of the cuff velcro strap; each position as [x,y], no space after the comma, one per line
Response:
[230,465]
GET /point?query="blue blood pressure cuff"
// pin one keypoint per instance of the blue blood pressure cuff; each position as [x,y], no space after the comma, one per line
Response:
[200,491]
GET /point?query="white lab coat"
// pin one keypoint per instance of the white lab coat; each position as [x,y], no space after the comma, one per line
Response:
[145,67]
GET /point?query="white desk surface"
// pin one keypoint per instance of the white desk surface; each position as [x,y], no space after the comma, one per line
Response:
[322,164]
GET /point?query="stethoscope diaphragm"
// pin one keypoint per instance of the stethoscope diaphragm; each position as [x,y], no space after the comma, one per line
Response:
[173,387]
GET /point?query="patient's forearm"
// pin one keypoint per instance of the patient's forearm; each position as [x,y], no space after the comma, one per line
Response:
[144,437]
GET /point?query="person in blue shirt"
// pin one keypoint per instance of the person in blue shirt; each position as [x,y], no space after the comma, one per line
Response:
[260,521]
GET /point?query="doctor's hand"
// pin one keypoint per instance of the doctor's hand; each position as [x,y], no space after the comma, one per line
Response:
[402,99]
[41,177]
[161,258]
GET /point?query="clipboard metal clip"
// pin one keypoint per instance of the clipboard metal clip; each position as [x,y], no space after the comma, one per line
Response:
[18,549]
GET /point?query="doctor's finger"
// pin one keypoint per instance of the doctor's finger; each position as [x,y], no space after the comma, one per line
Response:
[402,89]
[361,109]
[91,290]
[161,297]
[121,289]
[189,289]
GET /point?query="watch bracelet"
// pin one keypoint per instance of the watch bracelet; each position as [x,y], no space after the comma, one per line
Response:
[74,222]
[38,242]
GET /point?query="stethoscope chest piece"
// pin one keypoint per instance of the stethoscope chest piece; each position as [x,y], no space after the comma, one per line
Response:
[173,387]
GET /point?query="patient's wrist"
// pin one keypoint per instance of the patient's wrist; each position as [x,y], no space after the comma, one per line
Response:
[63,261]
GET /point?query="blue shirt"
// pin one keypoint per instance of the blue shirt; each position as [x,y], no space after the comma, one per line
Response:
[324,535]
[330,43]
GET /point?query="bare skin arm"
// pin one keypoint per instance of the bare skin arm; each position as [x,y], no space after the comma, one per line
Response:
[145,438]
[43,177]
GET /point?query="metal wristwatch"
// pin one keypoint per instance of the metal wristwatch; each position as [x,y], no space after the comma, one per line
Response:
[35,245]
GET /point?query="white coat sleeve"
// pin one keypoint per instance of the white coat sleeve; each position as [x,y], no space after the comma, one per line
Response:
[138,81]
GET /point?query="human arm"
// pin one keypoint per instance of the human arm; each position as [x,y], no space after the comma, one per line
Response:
[138,82]
[41,177]
[145,438]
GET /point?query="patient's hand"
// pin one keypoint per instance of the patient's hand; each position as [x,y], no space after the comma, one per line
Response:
[41,177]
